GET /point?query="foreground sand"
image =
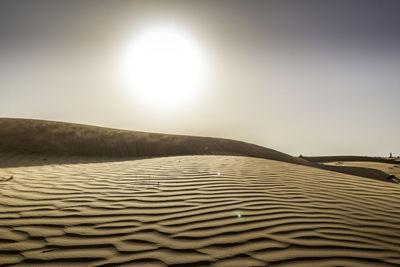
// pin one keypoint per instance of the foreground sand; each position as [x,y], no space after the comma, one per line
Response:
[195,211]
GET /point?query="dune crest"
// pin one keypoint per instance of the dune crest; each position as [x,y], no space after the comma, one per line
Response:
[61,138]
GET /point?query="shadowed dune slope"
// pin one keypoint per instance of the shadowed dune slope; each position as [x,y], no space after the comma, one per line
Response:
[196,211]
[389,168]
[370,168]
[60,138]
[367,172]
[351,158]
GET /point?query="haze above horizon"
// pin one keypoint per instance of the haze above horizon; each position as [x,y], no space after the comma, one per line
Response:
[309,77]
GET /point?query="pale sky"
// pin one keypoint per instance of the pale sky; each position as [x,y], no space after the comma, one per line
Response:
[301,77]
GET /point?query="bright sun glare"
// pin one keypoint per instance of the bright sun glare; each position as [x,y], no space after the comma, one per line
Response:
[164,66]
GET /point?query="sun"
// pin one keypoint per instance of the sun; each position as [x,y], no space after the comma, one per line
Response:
[164,66]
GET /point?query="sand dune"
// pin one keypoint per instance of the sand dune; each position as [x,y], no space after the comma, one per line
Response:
[389,168]
[371,167]
[352,158]
[60,138]
[25,142]
[78,195]
[196,211]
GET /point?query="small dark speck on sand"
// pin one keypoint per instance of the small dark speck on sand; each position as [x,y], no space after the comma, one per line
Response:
[7,179]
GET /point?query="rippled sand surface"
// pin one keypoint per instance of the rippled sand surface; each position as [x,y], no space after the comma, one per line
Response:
[196,211]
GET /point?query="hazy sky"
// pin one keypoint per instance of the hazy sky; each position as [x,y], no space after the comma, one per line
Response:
[302,77]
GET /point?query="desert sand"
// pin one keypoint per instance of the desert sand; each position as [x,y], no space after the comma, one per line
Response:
[389,168]
[199,209]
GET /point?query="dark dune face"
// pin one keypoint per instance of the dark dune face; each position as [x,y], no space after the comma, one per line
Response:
[196,211]
[59,138]
[351,158]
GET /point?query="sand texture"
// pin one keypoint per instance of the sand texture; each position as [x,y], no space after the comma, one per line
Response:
[196,211]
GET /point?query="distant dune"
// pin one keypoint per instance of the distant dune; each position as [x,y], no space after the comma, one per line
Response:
[60,140]
[351,158]
[370,167]
[392,169]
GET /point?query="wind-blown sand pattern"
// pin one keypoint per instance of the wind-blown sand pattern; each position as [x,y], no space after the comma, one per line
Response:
[196,211]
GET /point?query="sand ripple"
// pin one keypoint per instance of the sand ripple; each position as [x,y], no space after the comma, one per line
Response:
[196,211]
